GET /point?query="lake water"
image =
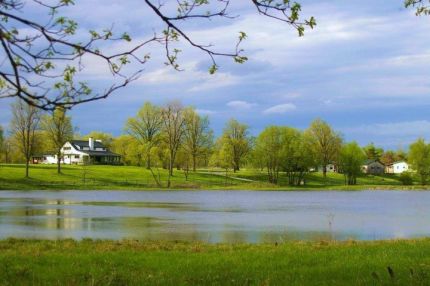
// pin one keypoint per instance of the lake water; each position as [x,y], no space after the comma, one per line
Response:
[215,216]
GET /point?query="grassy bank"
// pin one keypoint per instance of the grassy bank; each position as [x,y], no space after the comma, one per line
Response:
[45,177]
[143,263]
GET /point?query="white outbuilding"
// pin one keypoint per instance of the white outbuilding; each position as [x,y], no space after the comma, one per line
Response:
[397,167]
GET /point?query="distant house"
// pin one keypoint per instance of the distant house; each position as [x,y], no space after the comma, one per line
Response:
[397,167]
[374,167]
[80,151]
[330,168]
[45,158]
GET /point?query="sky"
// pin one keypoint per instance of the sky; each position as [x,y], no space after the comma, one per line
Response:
[365,69]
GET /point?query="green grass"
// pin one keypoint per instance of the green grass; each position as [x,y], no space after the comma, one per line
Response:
[102,177]
[87,262]
[98,177]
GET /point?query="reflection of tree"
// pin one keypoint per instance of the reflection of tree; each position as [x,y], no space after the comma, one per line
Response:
[151,228]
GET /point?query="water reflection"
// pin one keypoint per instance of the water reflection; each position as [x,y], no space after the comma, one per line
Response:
[233,216]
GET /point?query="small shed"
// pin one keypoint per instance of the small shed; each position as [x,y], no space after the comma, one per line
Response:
[374,167]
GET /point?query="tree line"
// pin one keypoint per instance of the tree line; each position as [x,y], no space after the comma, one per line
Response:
[173,136]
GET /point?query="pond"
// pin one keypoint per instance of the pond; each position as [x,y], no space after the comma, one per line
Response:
[215,216]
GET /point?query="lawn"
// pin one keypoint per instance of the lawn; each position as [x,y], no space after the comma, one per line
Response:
[87,262]
[99,177]
[103,177]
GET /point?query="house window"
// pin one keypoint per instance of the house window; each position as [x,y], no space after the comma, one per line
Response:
[76,156]
[67,148]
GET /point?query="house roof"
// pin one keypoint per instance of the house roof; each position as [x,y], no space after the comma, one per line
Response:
[48,153]
[85,143]
[370,161]
[100,153]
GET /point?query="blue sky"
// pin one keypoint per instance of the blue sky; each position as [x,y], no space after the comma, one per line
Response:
[365,69]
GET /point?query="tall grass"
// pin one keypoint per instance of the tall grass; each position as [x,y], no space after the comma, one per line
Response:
[89,262]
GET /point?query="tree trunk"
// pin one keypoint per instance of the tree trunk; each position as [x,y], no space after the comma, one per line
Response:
[168,180]
[59,162]
[157,180]
[194,163]
[26,168]
[324,171]
[148,161]
[170,167]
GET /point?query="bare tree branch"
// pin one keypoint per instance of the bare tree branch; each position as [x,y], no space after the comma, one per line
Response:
[43,67]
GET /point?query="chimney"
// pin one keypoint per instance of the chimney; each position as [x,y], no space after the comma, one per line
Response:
[91,143]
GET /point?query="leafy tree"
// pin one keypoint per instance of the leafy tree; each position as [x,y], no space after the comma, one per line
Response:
[236,136]
[184,161]
[388,157]
[146,128]
[174,129]
[222,156]
[351,159]
[198,137]
[269,150]
[280,148]
[325,143]
[25,122]
[44,55]
[7,149]
[299,156]
[372,152]
[132,153]
[422,6]
[419,158]
[401,155]
[58,127]
[2,141]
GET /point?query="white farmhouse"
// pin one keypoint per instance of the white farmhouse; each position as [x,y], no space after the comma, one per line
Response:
[397,167]
[80,151]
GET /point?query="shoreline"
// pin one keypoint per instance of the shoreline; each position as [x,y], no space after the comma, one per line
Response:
[238,188]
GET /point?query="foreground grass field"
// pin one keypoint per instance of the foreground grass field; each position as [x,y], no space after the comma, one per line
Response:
[45,177]
[88,262]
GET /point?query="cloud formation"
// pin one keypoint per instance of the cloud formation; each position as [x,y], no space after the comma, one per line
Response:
[280,108]
[240,104]
[364,69]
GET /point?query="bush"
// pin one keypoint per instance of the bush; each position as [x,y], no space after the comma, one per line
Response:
[406,179]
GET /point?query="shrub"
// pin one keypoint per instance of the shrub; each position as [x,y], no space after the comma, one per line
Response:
[406,179]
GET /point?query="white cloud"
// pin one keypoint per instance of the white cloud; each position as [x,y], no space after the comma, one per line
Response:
[291,95]
[413,61]
[399,129]
[392,134]
[206,81]
[240,104]
[205,111]
[280,108]
[195,79]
